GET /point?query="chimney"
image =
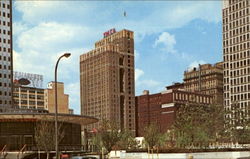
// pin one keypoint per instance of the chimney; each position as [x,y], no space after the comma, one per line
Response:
[145,92]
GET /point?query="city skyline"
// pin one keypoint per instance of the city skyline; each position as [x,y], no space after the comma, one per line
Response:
[169,38]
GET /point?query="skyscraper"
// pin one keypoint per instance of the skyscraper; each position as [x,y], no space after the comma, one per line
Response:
[107,79]
[5,54]
[236,55]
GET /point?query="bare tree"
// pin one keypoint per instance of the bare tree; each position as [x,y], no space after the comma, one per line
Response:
[45,135]
[107,136]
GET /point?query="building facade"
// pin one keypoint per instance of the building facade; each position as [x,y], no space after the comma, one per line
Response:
[33,98]
[236,55]
[206,79]
[29,98]
[107,80]
[160,108]
[63,99]
[5,54]
[18,129]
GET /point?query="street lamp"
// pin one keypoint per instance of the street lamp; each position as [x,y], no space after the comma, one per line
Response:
[56,118]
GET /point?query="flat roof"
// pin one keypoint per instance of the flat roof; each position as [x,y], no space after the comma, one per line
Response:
[29,116]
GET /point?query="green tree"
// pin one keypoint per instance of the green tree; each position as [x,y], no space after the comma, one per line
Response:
[127,140]
[107,136]
[198,125]
[153,137]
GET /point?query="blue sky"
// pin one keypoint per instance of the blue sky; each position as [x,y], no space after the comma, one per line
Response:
[170,37]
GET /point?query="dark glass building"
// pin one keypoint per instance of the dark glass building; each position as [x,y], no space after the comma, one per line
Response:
[18,129]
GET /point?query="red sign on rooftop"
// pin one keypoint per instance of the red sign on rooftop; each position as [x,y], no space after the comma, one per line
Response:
[107,33]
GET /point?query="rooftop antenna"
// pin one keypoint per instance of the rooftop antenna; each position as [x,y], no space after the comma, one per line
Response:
[124,15]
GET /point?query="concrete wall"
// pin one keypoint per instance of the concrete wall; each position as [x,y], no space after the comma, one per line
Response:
[63,99]
[205,155]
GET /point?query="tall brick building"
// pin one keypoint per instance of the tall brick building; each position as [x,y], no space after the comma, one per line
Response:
[107,79]
[161,107]
[206,79]
[236,55]
[5,54]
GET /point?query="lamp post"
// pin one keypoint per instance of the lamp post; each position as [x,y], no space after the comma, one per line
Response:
[56,118]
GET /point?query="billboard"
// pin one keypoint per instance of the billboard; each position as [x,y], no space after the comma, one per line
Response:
[35,80]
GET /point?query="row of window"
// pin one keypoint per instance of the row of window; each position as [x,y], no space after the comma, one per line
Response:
[243,104]
[4,49]
[30,91]
[236,15]
[5,58]
[5,76]
[234,57]
[237,73]
[235,32]
[237,64]
[5,93]
[5,32]
[193,98]
[240,80]
[235,5]
[240,89]
[30,96]
[4,102]
[240,97]
[5,67]
[240,35]
[237,48]
[4,14]
[208,74]
[4,84]
[3,5]
[5,41]
[30,102]
[5,23]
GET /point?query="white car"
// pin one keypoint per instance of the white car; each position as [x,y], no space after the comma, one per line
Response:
[84,157]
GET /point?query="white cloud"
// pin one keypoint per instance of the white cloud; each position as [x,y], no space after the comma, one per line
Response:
[53,36]
[167,40]
[34,12]
[73,89]
[165,15]
[137,55]
[19,27]
[138,74]
[172,15]
[40,47]
[149,83]
[195,64]
[145,84]
[49,28]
